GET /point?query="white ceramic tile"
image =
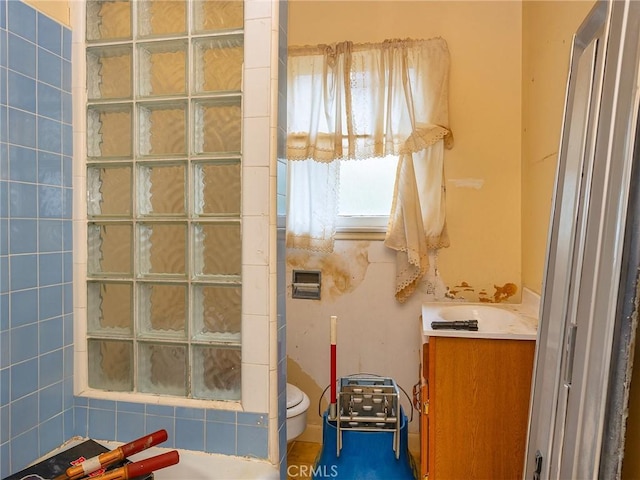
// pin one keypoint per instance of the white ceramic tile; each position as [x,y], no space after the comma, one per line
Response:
[275,52]
[79,287]
[79,145]
[80,243]
[80,368]
[257,92]
[273,198]
[255,241]
[273,295]
[273,109]
[257,43]
[255,142]
[79,209]
[276,11]
[77,18]
[273,340]
[255,387]
[255,191]
[78,109]
[255,290]
[80,331]
[257,9]
[255,339]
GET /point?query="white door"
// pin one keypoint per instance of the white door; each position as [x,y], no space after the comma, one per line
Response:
[581,376]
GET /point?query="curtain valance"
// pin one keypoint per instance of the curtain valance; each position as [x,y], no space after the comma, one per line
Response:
[356,101]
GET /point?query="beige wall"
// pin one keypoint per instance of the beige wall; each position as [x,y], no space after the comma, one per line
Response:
[375,333]
[547,31]
[56,9]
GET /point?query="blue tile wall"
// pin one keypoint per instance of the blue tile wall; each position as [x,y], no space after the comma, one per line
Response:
[36,374]
[213,431]
[22,20]
[281,190]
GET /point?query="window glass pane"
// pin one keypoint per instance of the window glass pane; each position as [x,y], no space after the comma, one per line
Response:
[109,308]
[109,248]
[216,372]
[217,188]
[108,20]
[366,186]
[162,310]
[109,191]
[217,249]
[162,248]
[111,365]
[109,131]
[161,17]
[161,189]
[163,129]
[163,369]
[218,14]
[218,64]
[217,312]
[217,126]
[162,68]
[109,72]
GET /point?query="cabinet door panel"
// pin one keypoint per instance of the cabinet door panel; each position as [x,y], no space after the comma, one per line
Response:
[479,404]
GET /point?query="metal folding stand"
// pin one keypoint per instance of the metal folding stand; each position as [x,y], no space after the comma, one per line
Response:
[369,404]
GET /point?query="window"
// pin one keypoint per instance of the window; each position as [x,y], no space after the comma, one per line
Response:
[366,194]
[163,177]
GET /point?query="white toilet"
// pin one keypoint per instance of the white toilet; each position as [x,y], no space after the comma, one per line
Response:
[297,406]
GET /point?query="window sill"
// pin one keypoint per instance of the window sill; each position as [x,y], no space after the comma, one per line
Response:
[361,227]
[169,401]
[360,234]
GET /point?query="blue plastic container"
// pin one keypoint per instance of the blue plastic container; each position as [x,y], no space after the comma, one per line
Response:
[365,455]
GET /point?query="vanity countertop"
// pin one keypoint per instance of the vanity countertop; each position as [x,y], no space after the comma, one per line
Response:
[495,321]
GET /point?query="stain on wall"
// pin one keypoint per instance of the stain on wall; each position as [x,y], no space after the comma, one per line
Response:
[304,381]
[502,294]
[343,270]
[465,291]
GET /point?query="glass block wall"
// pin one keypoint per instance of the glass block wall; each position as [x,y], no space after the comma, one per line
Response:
[36,308]
[164,117]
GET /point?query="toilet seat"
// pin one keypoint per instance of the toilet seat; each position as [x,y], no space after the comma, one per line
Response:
[294,396]
[297,401]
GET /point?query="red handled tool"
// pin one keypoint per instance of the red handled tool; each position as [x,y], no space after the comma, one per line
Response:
[141,468]
[112,456]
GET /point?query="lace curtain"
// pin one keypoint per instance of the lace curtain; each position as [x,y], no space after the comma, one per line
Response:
[356,101]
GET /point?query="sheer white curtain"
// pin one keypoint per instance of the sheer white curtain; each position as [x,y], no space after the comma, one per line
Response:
[356,101]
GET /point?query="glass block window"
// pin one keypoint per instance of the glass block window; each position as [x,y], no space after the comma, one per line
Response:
[164,231]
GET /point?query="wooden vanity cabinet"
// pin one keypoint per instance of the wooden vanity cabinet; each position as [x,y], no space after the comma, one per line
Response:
[475,407]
